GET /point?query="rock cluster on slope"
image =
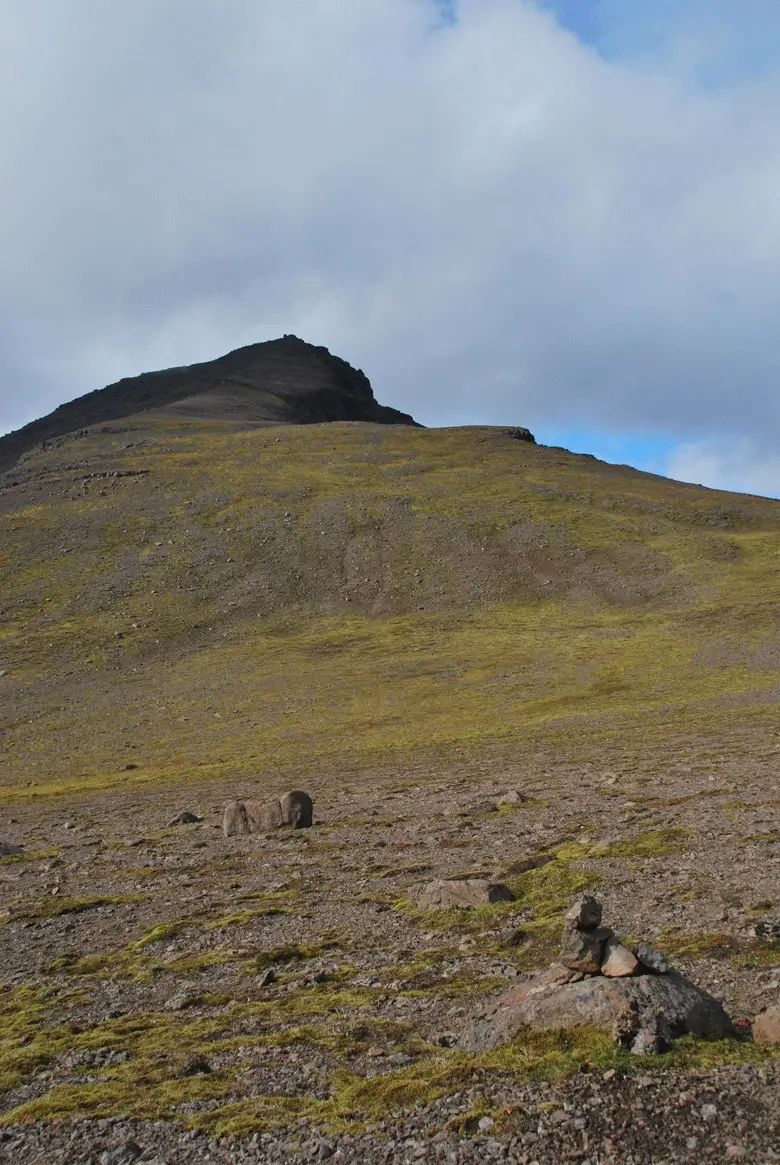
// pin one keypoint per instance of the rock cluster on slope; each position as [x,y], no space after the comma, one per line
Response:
[599,982]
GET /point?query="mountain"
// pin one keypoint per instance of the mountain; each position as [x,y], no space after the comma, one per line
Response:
[282,381]
[409,624]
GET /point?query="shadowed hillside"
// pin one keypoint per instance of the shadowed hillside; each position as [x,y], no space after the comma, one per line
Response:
[283,380]
[206,597]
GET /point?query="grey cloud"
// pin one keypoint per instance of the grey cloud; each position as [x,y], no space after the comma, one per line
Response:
[491,220]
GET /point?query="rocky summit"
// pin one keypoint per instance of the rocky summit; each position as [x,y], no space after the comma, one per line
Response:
[281,381]
[378,793]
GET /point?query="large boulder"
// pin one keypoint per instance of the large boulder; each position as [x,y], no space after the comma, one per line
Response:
[235,819]
[643,1013]
[297,809]
[264,815]
[443,894]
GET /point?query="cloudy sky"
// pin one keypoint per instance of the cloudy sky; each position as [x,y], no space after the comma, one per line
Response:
[559,213]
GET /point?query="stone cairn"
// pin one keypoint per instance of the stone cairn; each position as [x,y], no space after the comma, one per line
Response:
[593,949]
[598,982]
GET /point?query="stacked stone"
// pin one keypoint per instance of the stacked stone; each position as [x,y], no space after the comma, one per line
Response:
[593,949]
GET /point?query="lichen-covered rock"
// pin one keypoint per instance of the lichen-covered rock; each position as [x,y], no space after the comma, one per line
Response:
[443,894]
[583,950]
[297,809]
[618,961]
[235,820]
[766,1027]
[664,1006]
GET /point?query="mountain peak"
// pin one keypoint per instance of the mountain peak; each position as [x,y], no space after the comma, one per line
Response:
[284,381]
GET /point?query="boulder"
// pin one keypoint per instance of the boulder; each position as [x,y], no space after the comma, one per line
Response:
[236,819]
[647,1009]
[297,809]
[618,961]
[467,893]
[583,950]
[9,850]
[264,815]
[766,1027]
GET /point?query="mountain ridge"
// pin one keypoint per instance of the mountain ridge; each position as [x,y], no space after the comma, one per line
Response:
[284,381]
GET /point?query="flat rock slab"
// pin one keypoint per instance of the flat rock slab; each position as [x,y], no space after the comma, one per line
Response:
[469,892]
[626,1007]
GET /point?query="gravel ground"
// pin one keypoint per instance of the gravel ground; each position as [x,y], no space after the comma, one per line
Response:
[676,856]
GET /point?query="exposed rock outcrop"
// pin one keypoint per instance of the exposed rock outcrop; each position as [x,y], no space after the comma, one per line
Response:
[443,894]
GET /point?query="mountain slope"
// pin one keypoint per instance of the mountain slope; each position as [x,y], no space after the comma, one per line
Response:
[203,597]
[283,380]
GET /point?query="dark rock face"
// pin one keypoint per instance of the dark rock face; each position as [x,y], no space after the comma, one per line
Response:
[297,809]
[283,380]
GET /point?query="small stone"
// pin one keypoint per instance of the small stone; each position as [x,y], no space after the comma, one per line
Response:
[766,1027]
[610,1074]
[484,1123]
[513,797]
[585,914]
[708,1112]
[513,936]
[9,850]
[618,961]
[267,978]
[196,1066]
[646,1043]
[184,818]
[583,950]
[324,1151]
[180,1002]
[652,960]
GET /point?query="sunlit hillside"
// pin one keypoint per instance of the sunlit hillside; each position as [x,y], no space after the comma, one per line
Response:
[216,598]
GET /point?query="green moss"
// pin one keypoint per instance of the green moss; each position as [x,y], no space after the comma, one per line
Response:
[53,907]
[696,945]
[158,933]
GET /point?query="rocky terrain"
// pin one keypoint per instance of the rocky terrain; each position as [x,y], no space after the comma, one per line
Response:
[280,995]
[487,661]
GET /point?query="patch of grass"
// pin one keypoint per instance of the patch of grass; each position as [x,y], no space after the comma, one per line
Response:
[52,907]
[697,944]
[159,933]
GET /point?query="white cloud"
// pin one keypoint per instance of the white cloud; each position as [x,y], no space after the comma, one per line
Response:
[490,219]
[742,464]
